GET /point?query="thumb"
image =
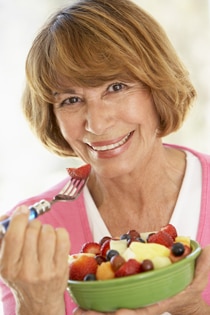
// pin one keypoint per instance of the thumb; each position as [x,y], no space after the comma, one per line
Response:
[202,267]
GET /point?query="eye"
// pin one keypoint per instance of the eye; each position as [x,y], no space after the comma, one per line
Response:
[115,87]
[71,101]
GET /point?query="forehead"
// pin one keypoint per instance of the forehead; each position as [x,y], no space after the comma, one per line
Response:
[72,84]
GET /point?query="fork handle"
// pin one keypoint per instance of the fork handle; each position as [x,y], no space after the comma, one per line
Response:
[34,211]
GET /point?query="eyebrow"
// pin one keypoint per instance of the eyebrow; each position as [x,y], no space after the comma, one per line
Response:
[69,91]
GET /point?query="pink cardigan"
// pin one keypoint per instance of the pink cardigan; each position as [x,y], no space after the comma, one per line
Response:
[73,217]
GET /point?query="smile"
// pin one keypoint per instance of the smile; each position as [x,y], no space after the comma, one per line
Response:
[112,145]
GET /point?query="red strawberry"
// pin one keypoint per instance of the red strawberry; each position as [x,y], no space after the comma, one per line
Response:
[103,239]
[130,267]
[91,247]
[82,266]
[80,172]
[162,238]
[105,247]
[170,229]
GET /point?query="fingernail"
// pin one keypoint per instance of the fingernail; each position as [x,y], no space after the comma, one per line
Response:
[21,210]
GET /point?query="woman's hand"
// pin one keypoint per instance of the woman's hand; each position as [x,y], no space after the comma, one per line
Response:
[34,264]
[188,302]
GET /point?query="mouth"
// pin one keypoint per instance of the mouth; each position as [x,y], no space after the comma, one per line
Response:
[111,146]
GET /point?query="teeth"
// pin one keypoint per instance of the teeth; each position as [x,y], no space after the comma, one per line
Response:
[111,146]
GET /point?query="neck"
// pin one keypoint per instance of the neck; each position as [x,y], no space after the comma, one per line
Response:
[148,192]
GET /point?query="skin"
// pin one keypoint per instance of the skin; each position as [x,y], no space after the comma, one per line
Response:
[93,117]
[33,257]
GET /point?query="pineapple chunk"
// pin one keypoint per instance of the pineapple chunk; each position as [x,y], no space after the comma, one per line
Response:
[148,250]
[183,239]
[128,254]
[161,261]
[119,245]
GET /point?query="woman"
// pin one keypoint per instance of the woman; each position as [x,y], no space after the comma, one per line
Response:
[105,84]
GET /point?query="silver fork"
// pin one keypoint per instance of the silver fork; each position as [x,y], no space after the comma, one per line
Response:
[70,192]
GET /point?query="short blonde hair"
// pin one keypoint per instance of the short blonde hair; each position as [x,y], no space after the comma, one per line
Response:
[91,42]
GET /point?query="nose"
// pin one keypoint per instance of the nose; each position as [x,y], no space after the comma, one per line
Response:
[99,117]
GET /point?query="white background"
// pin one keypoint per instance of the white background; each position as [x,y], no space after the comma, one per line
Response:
[26,167]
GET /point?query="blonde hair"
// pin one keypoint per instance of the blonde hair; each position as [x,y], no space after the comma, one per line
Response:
[93,41]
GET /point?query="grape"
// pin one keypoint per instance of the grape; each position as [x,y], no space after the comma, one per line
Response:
[116,262]
[147,265]
[100,259]
[178,249]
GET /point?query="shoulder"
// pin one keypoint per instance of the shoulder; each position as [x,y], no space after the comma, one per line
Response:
[203,157]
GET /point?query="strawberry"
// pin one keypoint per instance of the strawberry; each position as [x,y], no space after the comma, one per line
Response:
[105,247]
[91,247]
[162,238]
[103,239]
[80,172]
[130,267]
[82,266]
[170,229]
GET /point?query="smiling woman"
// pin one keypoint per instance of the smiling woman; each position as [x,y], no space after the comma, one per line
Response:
[104,85]
[27,16]
[99,109]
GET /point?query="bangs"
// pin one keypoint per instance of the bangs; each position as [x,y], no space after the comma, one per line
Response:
[93,42]
[82,60]
[74,51]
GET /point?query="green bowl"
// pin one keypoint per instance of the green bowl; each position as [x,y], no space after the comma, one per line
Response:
[138,290]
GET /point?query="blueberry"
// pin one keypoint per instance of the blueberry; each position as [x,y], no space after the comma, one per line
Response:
[125,237]
[178,249]
[90,277]
[110,253]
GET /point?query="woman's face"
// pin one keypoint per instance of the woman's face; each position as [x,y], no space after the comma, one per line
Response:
[112,127]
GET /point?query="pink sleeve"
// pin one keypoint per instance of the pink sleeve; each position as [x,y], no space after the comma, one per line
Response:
[71,216]
[7,300]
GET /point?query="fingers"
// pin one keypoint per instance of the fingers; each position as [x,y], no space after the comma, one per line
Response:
[202,269]
[30,249]
[46,244]
[16,230]
[12,242]
[62,248]
[3,217]
[203,261]
[80,311]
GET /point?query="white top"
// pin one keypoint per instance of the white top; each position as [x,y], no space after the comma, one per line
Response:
[186,213]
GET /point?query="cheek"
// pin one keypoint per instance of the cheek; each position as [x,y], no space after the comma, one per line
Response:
[69,126]
[143,112]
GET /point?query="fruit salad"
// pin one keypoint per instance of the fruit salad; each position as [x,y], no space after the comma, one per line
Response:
[130,254]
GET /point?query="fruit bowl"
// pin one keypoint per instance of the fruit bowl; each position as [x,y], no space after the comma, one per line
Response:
[136,291]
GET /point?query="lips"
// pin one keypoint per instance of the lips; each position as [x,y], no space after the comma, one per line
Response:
[106,146]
